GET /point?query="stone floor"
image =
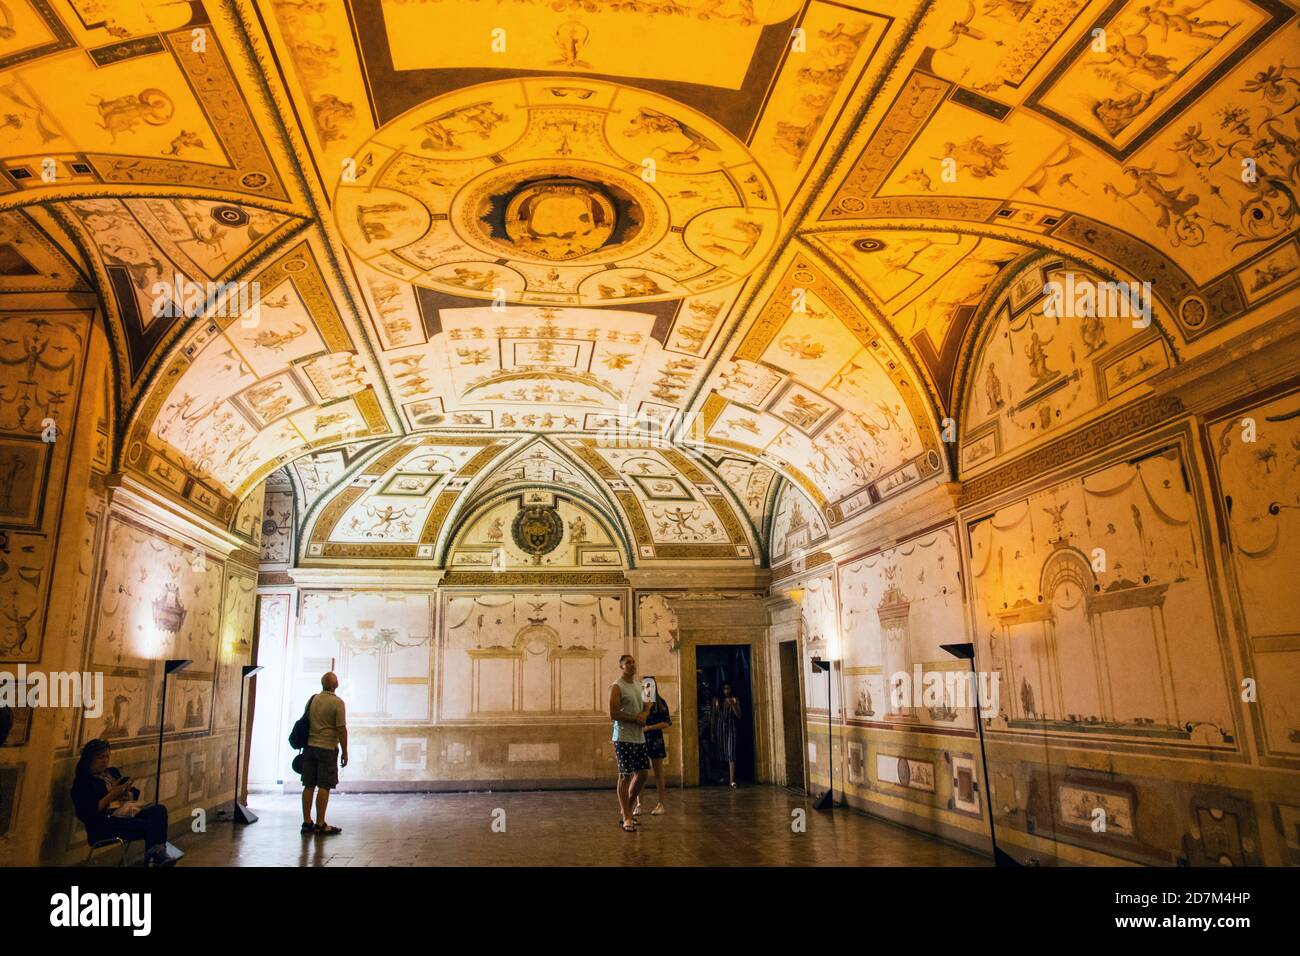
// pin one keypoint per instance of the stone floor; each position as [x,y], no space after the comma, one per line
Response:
[703,826]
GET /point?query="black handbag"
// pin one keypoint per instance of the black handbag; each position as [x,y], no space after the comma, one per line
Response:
[299,734]
[301,727]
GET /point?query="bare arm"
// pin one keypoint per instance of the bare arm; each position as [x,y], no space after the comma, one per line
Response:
[616,708]
[343,732]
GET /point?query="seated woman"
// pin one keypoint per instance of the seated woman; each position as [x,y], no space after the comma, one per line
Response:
[106,803]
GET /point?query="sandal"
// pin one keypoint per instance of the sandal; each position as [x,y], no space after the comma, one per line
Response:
[628,828]
[308,827]
[327,830]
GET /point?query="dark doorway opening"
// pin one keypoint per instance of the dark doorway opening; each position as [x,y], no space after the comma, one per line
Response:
[791,714]
[718,666]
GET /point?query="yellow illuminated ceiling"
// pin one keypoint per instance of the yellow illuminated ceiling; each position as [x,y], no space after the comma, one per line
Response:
[449,498]
[798,233]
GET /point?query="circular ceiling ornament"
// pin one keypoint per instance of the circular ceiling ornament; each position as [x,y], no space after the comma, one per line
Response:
[537,530]
[560,219]
[558,191]
[563,212]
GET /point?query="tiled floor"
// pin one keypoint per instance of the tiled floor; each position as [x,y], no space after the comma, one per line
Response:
[751,826]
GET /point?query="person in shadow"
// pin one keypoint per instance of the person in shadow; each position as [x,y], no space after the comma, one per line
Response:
[108,805]
[726,716]
[704,710]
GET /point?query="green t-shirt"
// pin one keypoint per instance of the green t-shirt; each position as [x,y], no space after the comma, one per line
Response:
[326,717]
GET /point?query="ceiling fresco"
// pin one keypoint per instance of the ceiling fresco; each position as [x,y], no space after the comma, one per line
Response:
[145,96]
[31,261]
[580,194]
[1152,137]
[453,498]
[446,247]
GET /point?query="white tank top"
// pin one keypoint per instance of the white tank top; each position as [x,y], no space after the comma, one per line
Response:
[629,731]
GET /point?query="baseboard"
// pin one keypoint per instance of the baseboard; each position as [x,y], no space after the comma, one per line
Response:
[472,786]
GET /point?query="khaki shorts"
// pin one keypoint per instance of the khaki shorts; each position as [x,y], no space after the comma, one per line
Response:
[320,768]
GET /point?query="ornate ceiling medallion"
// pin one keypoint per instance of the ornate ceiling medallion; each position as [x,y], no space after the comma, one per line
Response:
[478,194]
[537,530]
[560,212]
[560,219]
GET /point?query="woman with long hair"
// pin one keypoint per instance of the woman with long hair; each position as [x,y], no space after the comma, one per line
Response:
[727,712]
[655,725]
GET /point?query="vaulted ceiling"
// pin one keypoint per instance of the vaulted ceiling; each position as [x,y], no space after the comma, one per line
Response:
[453,498]
[797,233]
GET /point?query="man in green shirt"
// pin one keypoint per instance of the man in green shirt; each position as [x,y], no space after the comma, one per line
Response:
[328,734]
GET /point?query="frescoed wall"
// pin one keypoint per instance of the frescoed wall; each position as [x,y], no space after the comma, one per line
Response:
[470,686]
[164,596]
[897,606]
[525,656]
[1052,361]
[277,522]
[797,526]
[1137,685]
[1092,600]
[594,323]
[118,588]
[380,644]
[1259,486]
[52,426]
[43,367]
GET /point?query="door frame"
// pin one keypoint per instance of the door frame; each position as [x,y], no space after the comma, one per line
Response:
[799,728]
[724,621]
[750,709]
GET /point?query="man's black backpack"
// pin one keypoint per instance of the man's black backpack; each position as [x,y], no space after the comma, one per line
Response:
[301,728]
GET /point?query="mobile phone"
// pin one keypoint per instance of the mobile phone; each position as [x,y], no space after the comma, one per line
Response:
[649,690]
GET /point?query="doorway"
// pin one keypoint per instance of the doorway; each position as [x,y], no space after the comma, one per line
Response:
[718,666]
[791,714]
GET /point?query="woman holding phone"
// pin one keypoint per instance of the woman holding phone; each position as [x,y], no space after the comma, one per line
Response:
[107,804]
[655,724]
